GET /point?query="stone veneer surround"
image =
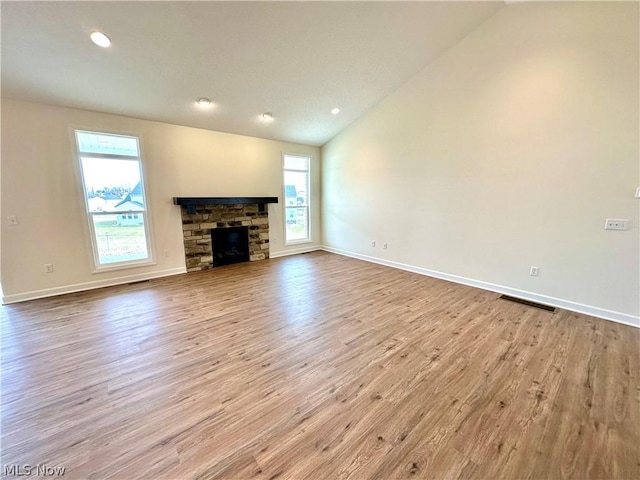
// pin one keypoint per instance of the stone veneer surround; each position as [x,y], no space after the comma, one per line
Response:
[196,230]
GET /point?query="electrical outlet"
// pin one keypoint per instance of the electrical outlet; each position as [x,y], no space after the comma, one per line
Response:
[616,224]
[373,243]
[13,220]
[166,253]
[384,246]
[533,271]
[48,268]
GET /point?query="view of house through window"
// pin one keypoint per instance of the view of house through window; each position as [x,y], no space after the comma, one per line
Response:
[114,195]
[296,198]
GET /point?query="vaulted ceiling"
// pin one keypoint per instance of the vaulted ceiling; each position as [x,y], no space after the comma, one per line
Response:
[296,60]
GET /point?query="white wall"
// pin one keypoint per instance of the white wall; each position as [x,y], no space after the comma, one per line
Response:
[40,184]
[509,151]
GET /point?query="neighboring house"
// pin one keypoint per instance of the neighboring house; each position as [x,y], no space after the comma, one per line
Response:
[290,195]
[104,203]
[132,203]
[127,219]
[136,195]
[96,204]
[290,199]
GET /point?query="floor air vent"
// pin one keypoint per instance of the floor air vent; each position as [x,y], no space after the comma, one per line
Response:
[527,302]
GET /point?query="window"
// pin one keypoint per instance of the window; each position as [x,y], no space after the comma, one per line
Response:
[114,192]
[296,199]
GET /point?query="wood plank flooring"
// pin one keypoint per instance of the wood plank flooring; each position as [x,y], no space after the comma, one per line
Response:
[315,366]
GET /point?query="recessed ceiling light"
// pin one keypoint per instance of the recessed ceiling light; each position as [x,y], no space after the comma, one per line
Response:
[335,111]
[100,39]
[268,117]
[204,102]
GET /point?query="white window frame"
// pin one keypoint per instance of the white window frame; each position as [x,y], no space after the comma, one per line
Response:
[98,267]
[284,196]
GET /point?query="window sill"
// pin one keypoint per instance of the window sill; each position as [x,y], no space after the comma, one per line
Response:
[122,266]
[297,242]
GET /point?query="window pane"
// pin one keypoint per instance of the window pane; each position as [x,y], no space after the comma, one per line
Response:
[297,222]
[120,238]
[296,163]
[296,198]
[295,188]
[114,193]
[112,185]
[89,142]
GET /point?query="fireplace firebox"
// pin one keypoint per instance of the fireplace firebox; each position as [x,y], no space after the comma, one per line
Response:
[230,245]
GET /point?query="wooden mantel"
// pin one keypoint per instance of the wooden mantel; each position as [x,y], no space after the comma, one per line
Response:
[192,202]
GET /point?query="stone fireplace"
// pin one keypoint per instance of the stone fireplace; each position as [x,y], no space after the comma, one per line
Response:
[199,219]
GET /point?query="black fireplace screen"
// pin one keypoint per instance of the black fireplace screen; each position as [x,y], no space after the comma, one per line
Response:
[230,245]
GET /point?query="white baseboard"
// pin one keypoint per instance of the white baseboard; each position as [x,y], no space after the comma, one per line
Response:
[79,287]
[295,251]
[619,317]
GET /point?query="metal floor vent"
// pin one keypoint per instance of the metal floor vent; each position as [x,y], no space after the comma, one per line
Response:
[527,302]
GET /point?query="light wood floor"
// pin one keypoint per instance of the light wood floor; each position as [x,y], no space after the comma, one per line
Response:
[316,367]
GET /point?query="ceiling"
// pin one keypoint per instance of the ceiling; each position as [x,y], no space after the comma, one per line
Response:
[297,60]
